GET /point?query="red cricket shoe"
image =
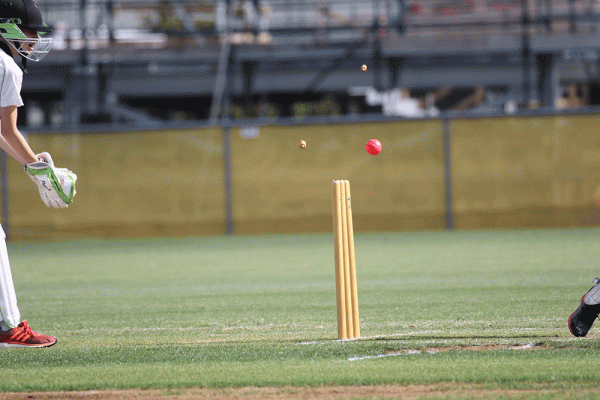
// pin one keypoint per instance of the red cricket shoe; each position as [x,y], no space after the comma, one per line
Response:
[24,336]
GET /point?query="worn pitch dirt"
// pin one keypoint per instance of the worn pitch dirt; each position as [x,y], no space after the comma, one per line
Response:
[413,392]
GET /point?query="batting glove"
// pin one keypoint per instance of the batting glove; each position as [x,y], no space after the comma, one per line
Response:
[56,185]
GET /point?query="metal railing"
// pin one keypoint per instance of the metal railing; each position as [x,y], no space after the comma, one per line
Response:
[102,18]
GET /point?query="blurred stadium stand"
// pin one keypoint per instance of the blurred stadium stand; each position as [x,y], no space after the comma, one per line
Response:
[144,63]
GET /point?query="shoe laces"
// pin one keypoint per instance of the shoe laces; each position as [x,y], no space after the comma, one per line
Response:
[27,329]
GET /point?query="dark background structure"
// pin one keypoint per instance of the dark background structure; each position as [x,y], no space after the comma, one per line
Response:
[144,63]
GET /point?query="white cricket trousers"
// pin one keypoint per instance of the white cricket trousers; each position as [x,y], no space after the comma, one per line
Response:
[9,312]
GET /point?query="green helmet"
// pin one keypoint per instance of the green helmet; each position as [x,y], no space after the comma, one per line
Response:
[17,16]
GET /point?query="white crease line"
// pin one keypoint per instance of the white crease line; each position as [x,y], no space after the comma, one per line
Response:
[372,337]
[385,355]
[428,351]
[524,347]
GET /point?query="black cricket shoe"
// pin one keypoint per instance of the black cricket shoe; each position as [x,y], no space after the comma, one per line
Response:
[582,319]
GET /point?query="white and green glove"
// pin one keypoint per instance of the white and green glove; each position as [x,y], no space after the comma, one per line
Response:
[56,185]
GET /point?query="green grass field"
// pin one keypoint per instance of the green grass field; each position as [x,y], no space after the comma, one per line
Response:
[485,308]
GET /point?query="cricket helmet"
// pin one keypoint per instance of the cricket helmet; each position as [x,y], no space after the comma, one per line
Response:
[19,15]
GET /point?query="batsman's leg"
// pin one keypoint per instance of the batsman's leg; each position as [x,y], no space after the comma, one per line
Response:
[9,312]
[582,319]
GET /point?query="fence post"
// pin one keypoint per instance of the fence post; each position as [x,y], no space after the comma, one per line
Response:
[227,179]
[447,172]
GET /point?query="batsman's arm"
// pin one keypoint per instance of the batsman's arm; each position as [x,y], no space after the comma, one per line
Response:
[12,141]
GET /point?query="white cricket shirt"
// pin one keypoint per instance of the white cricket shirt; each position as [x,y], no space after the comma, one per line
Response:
[11,81]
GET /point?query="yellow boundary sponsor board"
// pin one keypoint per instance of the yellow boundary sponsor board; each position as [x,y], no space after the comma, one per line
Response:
[541,171]
[279,187]
[129,184]
[525,172]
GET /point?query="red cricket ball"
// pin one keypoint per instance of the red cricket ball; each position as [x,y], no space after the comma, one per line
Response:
[373,147]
